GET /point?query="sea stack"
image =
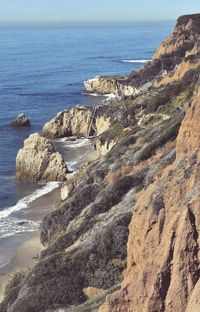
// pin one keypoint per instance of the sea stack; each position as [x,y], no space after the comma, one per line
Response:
[38,161]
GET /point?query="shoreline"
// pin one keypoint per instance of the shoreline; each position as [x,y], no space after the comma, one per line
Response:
[24,258]
[21,250]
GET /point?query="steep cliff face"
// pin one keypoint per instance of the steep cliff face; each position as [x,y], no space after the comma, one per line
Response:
[185,35]
[163,247]
[38,160]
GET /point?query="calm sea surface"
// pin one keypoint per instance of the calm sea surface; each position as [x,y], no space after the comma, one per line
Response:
[42,71]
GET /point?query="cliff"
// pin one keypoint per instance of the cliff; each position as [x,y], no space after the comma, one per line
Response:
[163,246]
[143,193]
[183,39]
[181,49]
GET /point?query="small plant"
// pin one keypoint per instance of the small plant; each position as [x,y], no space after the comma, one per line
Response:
[15,280]
[117,130]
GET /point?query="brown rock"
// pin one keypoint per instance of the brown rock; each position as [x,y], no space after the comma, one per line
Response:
[184,37]
[163,248]
[38,160]
[74,122]
[92,292]
[189,137]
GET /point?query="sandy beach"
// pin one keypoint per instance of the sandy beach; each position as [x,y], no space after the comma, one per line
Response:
[22,250]
[24,258]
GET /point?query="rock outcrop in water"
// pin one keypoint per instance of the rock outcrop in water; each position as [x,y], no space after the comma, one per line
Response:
[109,85]
[144,191]
[38,161]
[21,121]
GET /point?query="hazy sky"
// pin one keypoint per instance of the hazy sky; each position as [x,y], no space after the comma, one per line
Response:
[94,10]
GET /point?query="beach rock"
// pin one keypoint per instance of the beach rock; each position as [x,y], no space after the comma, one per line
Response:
[101,85]
[38,161]
[73,122]
[21,121]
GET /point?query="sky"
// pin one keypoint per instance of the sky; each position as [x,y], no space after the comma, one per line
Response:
[67,11]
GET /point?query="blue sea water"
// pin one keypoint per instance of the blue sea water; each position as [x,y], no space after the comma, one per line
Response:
[42,70]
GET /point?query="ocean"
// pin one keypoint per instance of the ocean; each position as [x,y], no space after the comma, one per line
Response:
[42,70]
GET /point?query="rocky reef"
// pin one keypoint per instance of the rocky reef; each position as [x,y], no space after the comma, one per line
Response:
[21,121]
[142,193]
[38,161]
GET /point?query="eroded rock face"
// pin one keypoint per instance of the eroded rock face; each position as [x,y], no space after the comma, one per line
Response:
[101,85]
[38,161]
[163,246]
[74,122]
[103,147]
[87,121]
[183,39]
[21,121]
[110,85]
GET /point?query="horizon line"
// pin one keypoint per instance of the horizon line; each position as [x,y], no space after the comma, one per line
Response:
[81,23]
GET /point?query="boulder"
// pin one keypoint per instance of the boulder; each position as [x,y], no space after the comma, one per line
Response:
[38,161]
[21,121]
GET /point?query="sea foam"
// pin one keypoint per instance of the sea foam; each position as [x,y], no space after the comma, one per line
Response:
[26,201]
[10,227]
[135,61]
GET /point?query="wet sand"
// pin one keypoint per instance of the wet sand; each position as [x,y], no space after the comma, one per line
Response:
[22,250]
